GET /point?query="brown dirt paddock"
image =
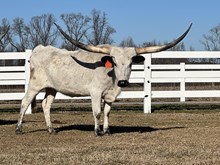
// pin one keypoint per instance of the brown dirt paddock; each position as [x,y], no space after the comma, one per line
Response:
[171,137]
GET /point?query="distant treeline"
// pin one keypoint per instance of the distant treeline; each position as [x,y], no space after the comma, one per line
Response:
[94,29]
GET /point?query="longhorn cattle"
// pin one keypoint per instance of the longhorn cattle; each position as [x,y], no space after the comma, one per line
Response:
[83,72]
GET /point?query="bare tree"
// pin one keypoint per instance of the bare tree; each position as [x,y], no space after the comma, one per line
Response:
[4,42]
[211,41]
[152,43]
[21,37]
[129,42]
[41,30]
[77,27]
[101,31]
[4,33]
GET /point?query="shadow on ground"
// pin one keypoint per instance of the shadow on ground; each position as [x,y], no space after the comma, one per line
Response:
[115,129]
[8,122]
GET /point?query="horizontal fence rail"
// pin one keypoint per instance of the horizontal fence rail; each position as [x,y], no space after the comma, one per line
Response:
[146,74]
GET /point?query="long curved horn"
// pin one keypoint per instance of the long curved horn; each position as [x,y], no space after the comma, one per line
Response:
[90,48]
[153,49]
[2,36]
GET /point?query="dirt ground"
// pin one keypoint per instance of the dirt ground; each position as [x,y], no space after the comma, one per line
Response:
[161,138]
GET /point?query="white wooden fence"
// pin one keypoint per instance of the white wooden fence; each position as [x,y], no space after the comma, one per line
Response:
[147,74]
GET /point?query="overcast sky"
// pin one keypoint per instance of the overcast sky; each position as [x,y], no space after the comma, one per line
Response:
[143,20]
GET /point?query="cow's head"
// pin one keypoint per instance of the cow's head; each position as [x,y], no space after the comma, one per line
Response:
[121,58]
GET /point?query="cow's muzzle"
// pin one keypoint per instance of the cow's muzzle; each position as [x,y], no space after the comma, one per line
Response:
[123,83]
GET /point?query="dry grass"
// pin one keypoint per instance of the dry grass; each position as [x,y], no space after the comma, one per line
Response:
[158,138]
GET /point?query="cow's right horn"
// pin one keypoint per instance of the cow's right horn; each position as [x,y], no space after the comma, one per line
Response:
[153,49]
[90,48]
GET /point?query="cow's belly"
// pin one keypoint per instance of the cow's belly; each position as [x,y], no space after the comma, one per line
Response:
[73,92]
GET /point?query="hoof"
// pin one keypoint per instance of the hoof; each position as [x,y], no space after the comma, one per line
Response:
[18,131]
[98,132]
[107,132]
[52,131]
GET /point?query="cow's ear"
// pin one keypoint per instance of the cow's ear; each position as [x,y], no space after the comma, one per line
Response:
[138,59]
[107,61]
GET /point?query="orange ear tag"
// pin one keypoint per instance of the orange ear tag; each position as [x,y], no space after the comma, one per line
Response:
[108,64]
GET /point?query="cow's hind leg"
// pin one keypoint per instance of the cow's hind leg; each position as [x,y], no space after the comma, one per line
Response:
[26,101]
[46,105]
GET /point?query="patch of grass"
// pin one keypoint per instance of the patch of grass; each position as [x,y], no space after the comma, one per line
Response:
[157,138]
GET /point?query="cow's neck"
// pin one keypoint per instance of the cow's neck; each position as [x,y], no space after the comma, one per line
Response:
[117,89]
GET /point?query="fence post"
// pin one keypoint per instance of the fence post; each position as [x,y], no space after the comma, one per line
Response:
[27,74]
[147,83]
[182,83]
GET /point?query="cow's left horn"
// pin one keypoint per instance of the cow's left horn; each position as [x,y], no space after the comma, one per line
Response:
[153,49]
[2,36]
[90,48]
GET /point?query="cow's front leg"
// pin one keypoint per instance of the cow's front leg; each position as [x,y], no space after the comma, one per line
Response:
[107,108]
[96,108]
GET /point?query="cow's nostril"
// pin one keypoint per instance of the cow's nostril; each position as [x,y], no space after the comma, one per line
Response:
[123,83]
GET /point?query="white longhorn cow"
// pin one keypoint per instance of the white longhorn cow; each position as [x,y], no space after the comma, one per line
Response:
[83,72]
